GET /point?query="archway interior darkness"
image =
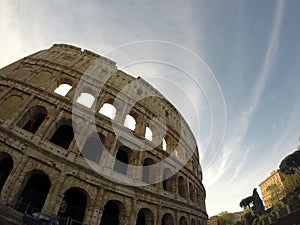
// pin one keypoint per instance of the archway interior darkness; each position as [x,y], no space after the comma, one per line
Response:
[182,221]
[167,220]
[110,214]
[141,218]
[34,118]
[147,174]
[145,217]
[182,187]
[121,162]
[93,148]
[6,166]
[76,204]
[63,136]
[167,180]
[34,194]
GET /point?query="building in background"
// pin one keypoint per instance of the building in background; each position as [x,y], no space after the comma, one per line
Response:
[272,188]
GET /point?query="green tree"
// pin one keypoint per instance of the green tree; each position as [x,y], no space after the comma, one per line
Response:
[226,218]
[247,202]
[291,163]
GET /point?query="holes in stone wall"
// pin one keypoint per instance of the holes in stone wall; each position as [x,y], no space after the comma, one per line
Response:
[63,89]
[108,110]
[130,122]
[86,99]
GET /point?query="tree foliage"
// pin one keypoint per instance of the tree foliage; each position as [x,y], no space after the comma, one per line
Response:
[225,218]
[247,202]
[291,163]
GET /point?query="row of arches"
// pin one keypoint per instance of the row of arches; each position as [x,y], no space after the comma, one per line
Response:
[88,98]
[94,147]
[35,190]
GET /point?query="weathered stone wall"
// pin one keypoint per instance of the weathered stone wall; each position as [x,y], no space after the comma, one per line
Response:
[31,82]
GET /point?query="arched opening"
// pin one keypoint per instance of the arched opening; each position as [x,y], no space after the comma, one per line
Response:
[63,136]
[112,213]
[148,134]
[148,174]
[34,194]
[108,110]
[122,159]
[193,222]
[63,89]
[93,147]
[168,180]
[75,204]
[182,221]
[6,166]
[164,144]
[86,99]
[167,219]
[182,187]
[130,122]
[192,192]
[145,217]
[33,119]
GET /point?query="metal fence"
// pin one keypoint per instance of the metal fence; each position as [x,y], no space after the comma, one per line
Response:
[17,216]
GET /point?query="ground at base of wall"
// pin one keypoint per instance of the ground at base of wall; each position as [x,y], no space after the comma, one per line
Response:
[6,221]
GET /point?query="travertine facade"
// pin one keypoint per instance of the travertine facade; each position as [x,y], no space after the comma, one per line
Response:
[271,187]
[45,165]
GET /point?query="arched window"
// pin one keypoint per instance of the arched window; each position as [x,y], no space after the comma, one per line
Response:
[130,122]
[167,219]
[164,144]
[168,180]
[193,222]
[108,110]
[192,192]
[183,221]
[33,118]
[182,187]
[63,136]
[6,166]
[86,99]
[113,213]
[75,201]
[145,217]
[34,194]
[122,159]
[63,89]
[93,147]
[148,134]
[148,174]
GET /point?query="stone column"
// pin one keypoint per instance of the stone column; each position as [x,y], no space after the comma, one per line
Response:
[54,197]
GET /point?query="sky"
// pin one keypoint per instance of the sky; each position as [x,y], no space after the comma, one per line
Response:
[230,67]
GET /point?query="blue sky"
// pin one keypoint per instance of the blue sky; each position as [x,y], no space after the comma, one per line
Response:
[249,50]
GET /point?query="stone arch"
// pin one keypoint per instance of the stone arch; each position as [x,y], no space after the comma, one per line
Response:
[193,221]
[10,105]
[93,147]
[182,186]
[108,110]
[42,78]
[33,118]
[64,134]
[114,213]
[168,180]
[6,166]
[34,193]
[145,217]
[63,87]
[130,122]
[122,159]
[183,221]
[148,174]
[167,219]
[192,192]
[74,204]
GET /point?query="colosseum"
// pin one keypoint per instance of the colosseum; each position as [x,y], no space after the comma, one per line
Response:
[83,140]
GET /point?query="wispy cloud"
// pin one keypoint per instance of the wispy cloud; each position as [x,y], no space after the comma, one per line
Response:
[234,143]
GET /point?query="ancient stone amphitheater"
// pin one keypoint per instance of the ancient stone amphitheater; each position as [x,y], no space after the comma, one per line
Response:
[83,140]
